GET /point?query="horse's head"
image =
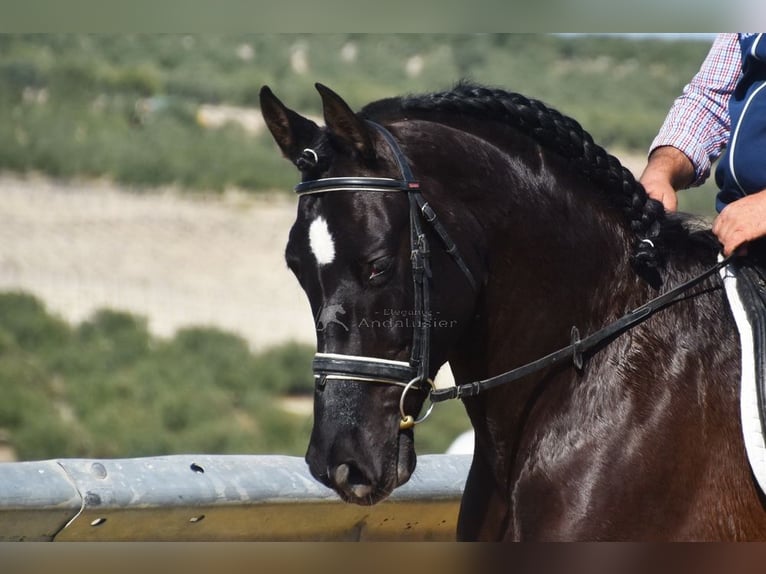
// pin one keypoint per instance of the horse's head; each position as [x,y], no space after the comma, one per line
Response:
[378,329]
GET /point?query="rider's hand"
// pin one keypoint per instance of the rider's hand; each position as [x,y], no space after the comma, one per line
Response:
[667,170]
[741,221]
[659,188]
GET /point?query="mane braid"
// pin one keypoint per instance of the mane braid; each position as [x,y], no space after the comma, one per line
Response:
[557,133]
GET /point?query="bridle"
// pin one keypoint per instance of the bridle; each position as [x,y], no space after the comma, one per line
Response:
[414,374]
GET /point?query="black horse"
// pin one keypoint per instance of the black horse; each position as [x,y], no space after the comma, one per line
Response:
[528,229]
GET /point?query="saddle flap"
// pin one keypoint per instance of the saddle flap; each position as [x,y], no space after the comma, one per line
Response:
[745,286]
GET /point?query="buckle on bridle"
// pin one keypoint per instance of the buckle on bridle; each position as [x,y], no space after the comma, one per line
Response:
[428,213]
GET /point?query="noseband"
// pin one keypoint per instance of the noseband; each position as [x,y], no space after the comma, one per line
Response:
[412,374]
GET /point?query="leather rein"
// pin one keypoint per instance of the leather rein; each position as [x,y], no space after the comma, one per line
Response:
[414,374]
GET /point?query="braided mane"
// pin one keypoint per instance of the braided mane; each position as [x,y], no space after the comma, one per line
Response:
[557,133]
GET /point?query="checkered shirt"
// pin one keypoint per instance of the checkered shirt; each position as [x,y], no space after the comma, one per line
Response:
[698,123]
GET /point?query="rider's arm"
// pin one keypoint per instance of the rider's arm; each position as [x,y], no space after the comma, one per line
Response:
[697,125]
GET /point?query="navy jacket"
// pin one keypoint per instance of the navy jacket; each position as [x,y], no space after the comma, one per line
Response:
[742,168]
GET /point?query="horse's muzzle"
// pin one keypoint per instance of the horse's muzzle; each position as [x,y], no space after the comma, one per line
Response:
[360,479]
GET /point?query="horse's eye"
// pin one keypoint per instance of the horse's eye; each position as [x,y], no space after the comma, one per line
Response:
[379,267]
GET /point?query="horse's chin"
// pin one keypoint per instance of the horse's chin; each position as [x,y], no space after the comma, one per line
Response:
[370,499]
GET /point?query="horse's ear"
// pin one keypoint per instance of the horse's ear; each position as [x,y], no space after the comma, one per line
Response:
[292,132]
[344,123]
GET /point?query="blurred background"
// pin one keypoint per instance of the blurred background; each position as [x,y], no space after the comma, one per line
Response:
[145,307]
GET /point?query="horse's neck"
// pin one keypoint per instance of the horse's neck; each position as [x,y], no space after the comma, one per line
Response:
[556,258]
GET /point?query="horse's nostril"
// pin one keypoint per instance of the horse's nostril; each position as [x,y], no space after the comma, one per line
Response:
[341,474]
[348,474]
[350,479]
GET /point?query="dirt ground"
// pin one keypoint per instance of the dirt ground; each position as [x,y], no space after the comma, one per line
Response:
[176,259]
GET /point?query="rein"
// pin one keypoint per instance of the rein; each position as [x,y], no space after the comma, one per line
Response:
[578,347]
[414,374]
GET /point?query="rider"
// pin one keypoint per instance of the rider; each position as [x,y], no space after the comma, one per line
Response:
[724,105]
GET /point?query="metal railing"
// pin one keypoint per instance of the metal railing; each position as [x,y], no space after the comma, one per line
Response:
[222,497]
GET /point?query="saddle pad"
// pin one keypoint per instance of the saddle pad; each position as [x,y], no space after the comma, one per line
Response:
[744,296]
